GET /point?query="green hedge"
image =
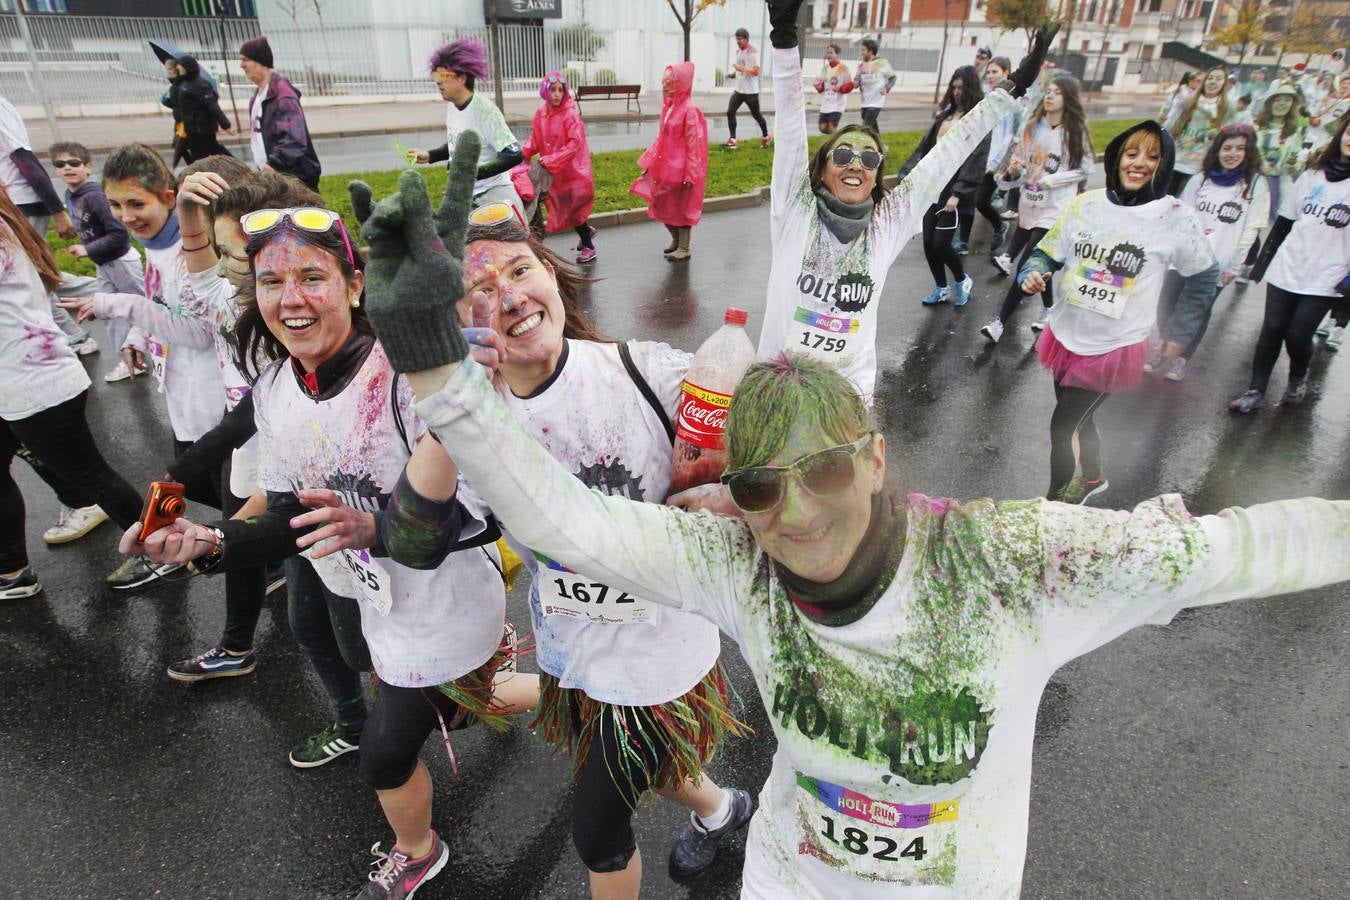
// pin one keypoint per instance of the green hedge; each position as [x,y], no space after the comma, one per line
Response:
[729,172]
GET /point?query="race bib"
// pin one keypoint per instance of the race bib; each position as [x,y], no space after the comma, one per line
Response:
[823,336]
[1034,194]
[370,579]
[874,840]
[573,596]
[235,393]
[158,354]
[1098,290]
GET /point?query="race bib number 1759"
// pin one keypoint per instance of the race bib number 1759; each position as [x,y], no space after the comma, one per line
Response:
[876,840]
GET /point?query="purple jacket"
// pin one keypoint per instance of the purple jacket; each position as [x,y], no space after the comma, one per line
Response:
[104,238]
[284,133]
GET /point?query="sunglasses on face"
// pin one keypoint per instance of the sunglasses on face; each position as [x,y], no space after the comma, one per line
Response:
[823,474]
[67,163]
[843,156]
[308,218]
[441,75]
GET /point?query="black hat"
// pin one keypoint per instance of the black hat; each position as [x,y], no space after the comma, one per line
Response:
[258,50]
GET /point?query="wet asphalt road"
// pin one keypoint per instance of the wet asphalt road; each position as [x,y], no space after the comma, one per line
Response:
[1205,759]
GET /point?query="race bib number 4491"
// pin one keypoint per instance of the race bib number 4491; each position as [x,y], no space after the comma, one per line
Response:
[876,840]
[1099,290]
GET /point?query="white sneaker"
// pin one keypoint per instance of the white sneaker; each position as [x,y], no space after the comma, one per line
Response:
[1175,368]
[74,524]
[1324,329]
[1042,320]
[85,347]
[1334,339]
[992,331]
[1004,263]
[1243,275]
[119,372]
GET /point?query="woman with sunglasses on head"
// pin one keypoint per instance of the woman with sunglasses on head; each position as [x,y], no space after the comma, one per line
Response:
[900,645]
[1282,136]
[633,692]
[558,137]
[1232,201]
[1114,246]
[1052,160]
[1306,257]
[834,227]
[335,432]
[943,216]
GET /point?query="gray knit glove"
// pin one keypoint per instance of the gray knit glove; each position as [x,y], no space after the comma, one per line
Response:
[415,273]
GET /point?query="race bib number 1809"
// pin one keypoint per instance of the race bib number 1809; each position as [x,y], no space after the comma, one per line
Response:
[876,840]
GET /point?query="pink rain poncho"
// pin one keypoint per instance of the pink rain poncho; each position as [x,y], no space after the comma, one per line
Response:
[675,167]
[558,136]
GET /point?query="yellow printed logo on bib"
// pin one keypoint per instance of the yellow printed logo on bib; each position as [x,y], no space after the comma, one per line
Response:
[1099,290]
[876,840]
[563,592]
[158,354]
[821,335]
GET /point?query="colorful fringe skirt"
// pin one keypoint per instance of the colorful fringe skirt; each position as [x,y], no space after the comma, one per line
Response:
[683,733]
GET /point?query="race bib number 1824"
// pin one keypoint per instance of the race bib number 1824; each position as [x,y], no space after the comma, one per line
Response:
[875,840]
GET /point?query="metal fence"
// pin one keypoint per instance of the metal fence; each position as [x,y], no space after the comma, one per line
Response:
[88,65]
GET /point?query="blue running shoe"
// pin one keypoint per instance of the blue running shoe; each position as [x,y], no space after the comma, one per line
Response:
[963,289]
[939,295]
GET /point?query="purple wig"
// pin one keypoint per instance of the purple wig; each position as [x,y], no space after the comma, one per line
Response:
[465,56]
[555,78]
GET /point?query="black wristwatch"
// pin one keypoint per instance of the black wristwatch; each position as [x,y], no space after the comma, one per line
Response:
[205,565]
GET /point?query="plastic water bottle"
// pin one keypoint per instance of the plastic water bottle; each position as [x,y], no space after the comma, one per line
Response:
[700,453]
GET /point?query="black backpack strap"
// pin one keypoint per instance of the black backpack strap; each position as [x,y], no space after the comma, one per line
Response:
[646,390]
[398,416]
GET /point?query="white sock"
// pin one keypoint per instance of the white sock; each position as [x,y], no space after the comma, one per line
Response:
[721,817]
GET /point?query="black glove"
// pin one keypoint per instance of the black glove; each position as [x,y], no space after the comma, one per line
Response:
[1029,69]
[783,22]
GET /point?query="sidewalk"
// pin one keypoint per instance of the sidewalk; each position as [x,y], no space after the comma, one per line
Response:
[378,115]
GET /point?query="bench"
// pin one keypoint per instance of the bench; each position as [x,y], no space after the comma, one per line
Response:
[629,92]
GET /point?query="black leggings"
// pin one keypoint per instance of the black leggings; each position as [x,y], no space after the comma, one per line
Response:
[937,245]
[607,793]
[1027,240]
[59,441]
[984,203]
[327,627]
[1074,409]
[750,100]
[400,721]
[1292,320]
[584,232]
[1340,312]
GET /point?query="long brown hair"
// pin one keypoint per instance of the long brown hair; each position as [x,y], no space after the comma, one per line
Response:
[576,324]
[33,245]
[1074,121]
[1251,160]
[1221,111]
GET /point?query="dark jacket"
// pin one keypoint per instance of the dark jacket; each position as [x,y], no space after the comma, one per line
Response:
[198,105]
[966,182]
[104,238]
[284,133]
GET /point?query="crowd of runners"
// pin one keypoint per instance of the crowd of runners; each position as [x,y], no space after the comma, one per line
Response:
[396,415]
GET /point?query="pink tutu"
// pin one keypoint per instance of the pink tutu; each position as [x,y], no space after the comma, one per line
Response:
[1110,373]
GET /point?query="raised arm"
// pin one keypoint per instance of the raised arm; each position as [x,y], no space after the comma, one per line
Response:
[789,105]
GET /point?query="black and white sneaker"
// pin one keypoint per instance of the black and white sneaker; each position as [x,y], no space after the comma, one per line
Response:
[214,663]
[322,748]
[138,571]
[697,847]
[16,587]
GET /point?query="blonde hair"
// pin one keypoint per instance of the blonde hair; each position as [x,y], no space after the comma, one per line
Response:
[1142,139]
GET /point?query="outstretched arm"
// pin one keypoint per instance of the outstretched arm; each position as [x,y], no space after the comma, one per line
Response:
[789,104]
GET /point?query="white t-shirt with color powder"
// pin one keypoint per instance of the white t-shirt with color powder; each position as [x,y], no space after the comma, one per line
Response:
[482,117]
[617,647]
[749,58]
[1114,259]
[38,370]
[1315,255]
[1230,215]
[423,627]
[255,137]
[14,136]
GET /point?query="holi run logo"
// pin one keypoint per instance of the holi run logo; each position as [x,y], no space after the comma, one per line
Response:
[611,478]
[1124,259]
[1229,212]
[1337,215]
[933,738]
[358,493]
[850,293]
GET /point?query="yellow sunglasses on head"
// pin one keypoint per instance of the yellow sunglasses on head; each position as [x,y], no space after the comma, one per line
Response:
[496,214]
[309,218]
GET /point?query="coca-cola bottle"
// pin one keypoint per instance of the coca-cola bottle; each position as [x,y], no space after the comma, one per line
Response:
[700,455]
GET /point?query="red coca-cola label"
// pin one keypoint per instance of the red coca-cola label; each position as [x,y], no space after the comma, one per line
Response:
[703,416]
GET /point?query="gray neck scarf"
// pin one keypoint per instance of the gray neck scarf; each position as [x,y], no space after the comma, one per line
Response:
[844,220]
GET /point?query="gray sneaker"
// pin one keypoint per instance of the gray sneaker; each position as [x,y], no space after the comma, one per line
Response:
[138,571]
[1296,392]
[697,847]
[396,877]
[1175,368]
[1250,401]
[322,748]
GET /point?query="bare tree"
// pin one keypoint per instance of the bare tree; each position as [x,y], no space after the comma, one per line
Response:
[318,6]
[292,10]
[692,10]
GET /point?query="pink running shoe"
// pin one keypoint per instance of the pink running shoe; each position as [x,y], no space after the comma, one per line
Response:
[397,877]
[587,255]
